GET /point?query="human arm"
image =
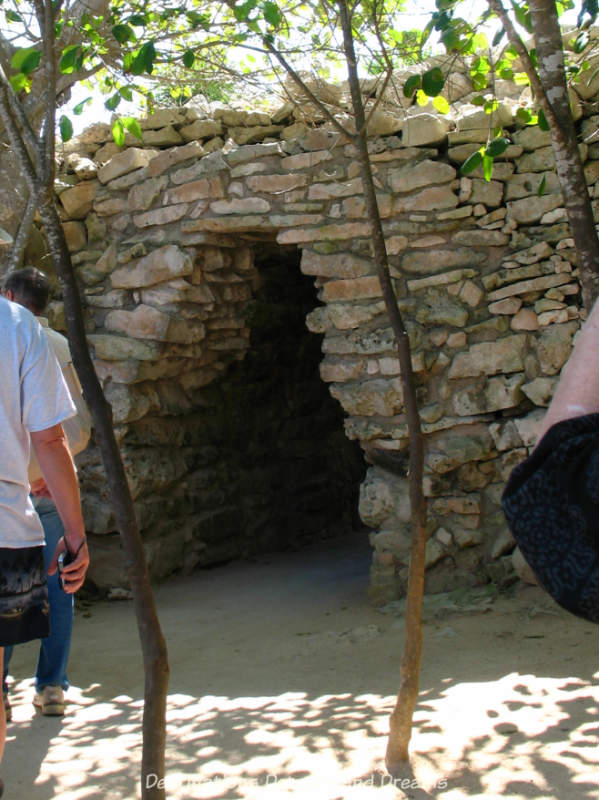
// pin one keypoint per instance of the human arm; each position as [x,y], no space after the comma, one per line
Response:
[577,393]
[59,473]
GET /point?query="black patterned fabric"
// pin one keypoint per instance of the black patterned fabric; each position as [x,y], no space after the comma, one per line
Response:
[551,502]
[24,609]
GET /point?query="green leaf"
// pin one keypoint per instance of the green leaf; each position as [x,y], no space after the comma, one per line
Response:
[422,99]
[433,82]
[26,60]
[133,126]
[113,101]
[188,58]
[118,132]
[542,185]
[80,106]
[524,115]
[498,37]
[12,16]
[441,104]
[471,163]
[19,82]
[66,65]
[479,81]
[543,124]
[271,13]
[497,147]
[507,74]
[123,33]
[487,167]
[138,20]
[66,128]
[479,100]
[411,85]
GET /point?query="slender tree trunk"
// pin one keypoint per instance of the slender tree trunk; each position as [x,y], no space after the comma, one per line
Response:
[551,91]
[153,645]
[401,718]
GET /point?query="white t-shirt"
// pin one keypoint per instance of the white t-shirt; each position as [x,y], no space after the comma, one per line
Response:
[33,397]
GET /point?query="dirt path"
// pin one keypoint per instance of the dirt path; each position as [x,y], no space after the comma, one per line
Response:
[282,679]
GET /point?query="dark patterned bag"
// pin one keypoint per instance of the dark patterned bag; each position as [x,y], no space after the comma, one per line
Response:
[551,502]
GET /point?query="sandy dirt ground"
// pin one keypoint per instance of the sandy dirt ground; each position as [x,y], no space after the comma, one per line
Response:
[282,681]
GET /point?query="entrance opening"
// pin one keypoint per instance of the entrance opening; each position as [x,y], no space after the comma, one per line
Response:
[288,471]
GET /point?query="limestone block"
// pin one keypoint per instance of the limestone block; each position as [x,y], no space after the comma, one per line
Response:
[202,129]
[531,209]
[160,216]
[106,152]
[489,193]
[554,317]
[78,200]
[526,184]
[488,358]
[539,284]
[130,402]
[164,137]
[256,133]
[521,568]
[459,446]
[503,392]
[250,152]
[370,398]
[439,259]
[377,497]
[346,316]
[429,199]
[144,195]
[275,184]
[329,191]
[75,235]
[112,299]
[336,265]
[529,426]
[532,138]
[149,323]
[84,168]
[175,155]
[162,118]
[353,230]
[228,224]
[434,553]
[474,118]
[202,189]
[160,265]
[524,320]
[110,206]
[352,289]
[540,390]
[121,348]
[415,176]
[505,434]
[249,205]
[177,291]
[355,207]
[305,160]
[438,308]
[444,279]
[423,129]
[554,346]
[481,238]
[124,162]
[471,294]
[207,165]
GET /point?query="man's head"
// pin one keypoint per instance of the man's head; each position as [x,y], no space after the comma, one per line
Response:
[29,287]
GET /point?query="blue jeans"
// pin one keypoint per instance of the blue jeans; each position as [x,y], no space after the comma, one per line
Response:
[54,649]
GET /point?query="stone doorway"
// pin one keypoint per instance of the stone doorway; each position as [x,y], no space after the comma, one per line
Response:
[292,475]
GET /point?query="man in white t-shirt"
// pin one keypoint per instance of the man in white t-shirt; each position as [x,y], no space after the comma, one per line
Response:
[30,288]
[34,400]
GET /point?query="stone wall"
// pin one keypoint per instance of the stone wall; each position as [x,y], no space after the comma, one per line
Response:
[167,235]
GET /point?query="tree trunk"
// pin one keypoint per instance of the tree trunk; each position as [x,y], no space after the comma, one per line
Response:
[551,91]
[401,718]
[153,645]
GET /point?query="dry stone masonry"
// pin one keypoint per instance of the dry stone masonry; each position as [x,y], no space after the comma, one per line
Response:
[166,236]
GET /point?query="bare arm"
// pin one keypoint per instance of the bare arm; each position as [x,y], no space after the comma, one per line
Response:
[577,393]
[58,469]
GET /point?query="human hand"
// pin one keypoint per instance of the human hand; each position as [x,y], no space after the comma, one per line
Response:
[72,575]
[39,488]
